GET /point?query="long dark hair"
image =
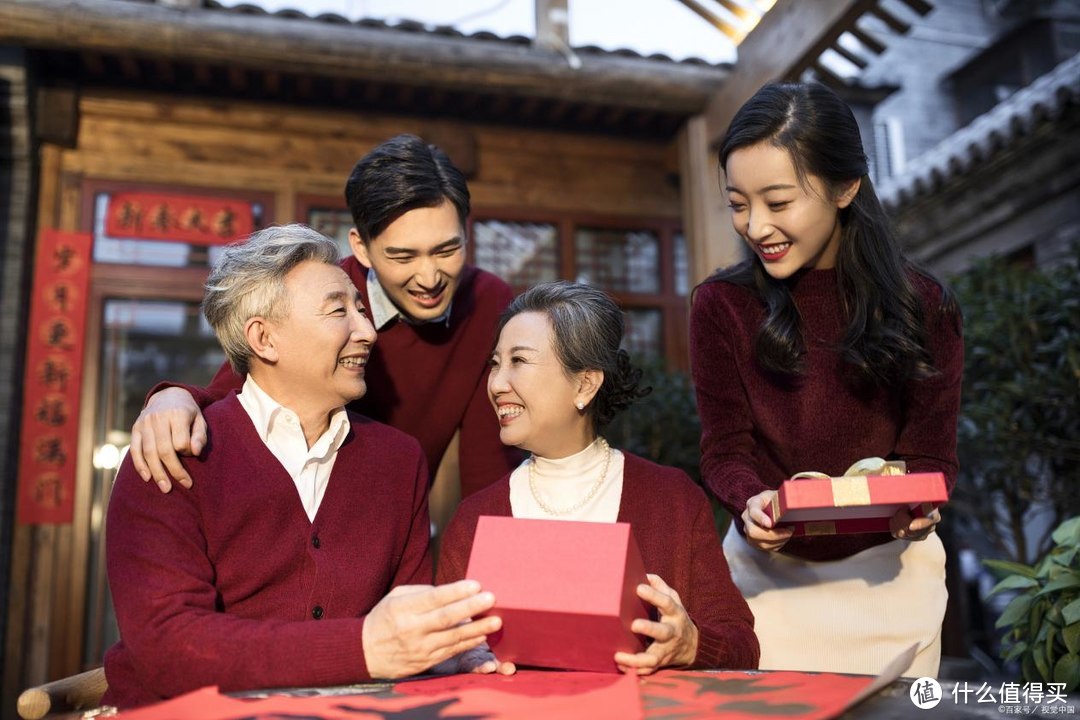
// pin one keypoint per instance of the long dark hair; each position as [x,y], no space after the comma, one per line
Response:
[885,336]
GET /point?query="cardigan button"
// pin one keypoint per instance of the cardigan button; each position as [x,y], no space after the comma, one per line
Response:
[317,612]
[315,541]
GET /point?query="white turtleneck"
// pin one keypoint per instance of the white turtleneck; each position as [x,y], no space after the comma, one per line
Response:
[563,482]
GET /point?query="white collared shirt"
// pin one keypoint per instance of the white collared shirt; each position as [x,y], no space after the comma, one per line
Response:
[279,427]
[383,309]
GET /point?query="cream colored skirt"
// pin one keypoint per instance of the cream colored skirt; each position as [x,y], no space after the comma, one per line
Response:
[848,616]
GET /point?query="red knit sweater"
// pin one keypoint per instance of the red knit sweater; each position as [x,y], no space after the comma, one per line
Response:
[757,432]
[230,584]
[429,380]
[672,522]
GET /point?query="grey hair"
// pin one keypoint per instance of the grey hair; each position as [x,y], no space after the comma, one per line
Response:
[587,327]
[248,280]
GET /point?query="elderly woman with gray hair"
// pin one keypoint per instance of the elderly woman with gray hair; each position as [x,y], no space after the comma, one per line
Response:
[300,556]
[557,378]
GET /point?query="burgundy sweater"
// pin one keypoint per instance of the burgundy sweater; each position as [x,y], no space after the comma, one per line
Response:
[756,431]
[672,522]
[429,380]
[230,584]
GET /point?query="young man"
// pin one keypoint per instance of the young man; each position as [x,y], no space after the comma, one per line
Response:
[435,317]
[253,578]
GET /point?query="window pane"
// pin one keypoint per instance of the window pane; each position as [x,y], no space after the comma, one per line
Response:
[157,253]
[618,260]
[644,337]
[522,254]
[682,265]
[334,224]
[142,342]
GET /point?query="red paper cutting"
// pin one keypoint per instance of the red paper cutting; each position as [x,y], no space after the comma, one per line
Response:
[541,695]
[734,695]
[526,696]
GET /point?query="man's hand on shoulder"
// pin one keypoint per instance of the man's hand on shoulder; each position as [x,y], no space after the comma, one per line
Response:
[169,425]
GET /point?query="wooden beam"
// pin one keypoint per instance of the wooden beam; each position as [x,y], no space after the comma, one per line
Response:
[734,34]
[788,39]
[826,76]
[711,241]
[867,40]
[57,118]
[219,37]
[922,7]
[552,24]
[894,23]
[848,55]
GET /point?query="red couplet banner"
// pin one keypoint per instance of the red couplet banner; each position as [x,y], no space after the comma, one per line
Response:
[53,380]
[178,218]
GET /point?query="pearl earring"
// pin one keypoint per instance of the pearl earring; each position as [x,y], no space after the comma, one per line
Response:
[580,405]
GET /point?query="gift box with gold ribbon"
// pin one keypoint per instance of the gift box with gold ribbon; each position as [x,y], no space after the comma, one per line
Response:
[861,501]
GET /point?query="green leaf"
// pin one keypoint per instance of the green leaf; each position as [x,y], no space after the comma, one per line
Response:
[1015,611]
[1066,558]
[1038,610]
[1071,637]
[1015,651]
[1013,582]
[1067,670]
[1068,532]
[1028,669]
[1064,581]
[1005,567]
[1071,612]
[1039,658]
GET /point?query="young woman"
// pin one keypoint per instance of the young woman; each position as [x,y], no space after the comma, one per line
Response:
[826,347]
[557,377]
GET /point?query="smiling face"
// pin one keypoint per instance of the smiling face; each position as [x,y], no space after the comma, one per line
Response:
[417,259]
[316,354]
[532,393]
[790,224]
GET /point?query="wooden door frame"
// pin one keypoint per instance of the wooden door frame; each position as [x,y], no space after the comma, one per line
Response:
[68,620]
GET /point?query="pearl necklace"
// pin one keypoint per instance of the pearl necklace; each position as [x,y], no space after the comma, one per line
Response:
[588,496]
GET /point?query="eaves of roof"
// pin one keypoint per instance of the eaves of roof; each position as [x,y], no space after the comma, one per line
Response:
[333,47]
[996,130]
[417,27]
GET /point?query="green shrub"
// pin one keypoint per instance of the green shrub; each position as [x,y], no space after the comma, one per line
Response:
[663,426]
[1019,429]
[1042,622]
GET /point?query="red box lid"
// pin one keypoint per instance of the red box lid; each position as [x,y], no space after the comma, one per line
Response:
[565,590]
[853,504]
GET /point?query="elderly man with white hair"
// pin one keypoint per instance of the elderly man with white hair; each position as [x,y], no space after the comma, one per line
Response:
[300,556]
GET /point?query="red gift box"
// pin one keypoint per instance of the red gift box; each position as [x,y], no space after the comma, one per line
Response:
[854,504]
[566,591]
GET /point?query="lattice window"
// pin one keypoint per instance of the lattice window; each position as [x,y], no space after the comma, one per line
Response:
[334,224]
[618,260]
[644,336]
[521,253]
